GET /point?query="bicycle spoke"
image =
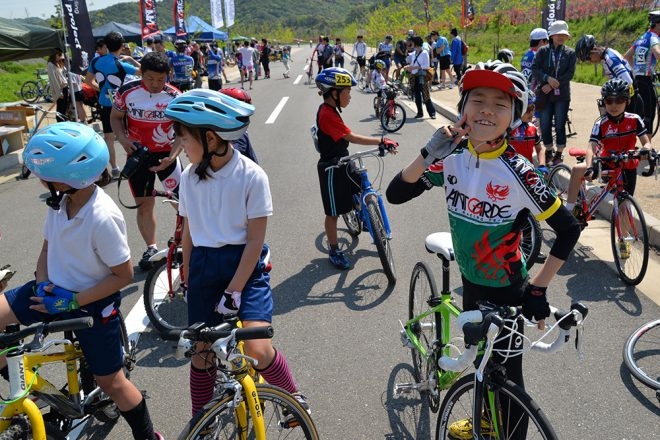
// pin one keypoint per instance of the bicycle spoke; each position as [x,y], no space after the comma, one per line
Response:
[630,241]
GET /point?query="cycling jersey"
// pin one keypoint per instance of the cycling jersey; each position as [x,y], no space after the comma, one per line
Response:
[523,138]
[643,59]
[214,64]
[145,114]
[385,47]
[110,73]
[182,67]
[615,66]
[526,65]
[618,137]
[360,49]
[377,80]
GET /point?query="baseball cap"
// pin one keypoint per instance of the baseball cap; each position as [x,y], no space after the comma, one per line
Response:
[558,27]
[538,34]
[177,42]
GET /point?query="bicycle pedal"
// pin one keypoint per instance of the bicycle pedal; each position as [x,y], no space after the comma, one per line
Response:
[404,388]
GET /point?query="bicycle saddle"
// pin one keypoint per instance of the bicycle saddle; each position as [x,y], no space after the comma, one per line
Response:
[440,243]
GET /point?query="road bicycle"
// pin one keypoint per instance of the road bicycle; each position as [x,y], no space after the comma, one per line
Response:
[628,232]
[32,90]
[241,409]
[24,413]
[369,209]
[640,354]
[165,289]
[392,115]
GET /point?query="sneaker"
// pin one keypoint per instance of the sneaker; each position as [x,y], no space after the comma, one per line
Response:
[557,158]
[450,86]
[144,263]
[339,260]
[159,436]
[462,429]
[302,400]
[624,249]
[549,155]
[115,173]
[541,257]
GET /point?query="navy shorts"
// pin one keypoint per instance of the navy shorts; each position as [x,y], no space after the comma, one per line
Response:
[105,119]
[211,270]
[101,344]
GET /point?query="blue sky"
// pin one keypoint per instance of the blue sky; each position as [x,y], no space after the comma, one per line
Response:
[45,8]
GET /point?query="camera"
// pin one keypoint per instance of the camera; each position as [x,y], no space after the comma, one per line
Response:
[135,161]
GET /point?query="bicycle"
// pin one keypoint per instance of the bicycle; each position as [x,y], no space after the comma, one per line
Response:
[165,289]
[656,88]
[32,90]
[403,84]
[392,115]
[241,408]
[640,355]
[71,405]
[628,233]
[370,210]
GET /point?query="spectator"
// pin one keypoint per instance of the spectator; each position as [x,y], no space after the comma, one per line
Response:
[58,83]
[400,55]
[215,67]
[457,54]
[148,45]
[385,53]
[247,62]
[328,53]
[339,53]
[264,57]
[537,38]
[553,68]
[443,52]
[286,60]
[101,49]
[198,65]
[418,63]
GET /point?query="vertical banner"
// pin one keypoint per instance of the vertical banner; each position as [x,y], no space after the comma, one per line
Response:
[149,18]
[178,16]
[467,13]
[553,10]
[216,14]
[79,34]
[229,12]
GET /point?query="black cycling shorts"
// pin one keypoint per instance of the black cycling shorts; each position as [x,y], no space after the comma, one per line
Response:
[142,182]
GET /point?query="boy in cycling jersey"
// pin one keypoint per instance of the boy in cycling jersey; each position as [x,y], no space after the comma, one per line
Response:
[84,260]
[616,132]
[525,138]
[225,200]
[377,79]
[490,190]
[337,184]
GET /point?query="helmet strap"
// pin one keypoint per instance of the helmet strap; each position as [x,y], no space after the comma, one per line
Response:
[336,98]
[56,196]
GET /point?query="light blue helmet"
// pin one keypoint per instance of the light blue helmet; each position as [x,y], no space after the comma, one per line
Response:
[67,152]
[204,108]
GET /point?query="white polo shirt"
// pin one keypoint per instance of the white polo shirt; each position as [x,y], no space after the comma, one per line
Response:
[218,208]
[82,250]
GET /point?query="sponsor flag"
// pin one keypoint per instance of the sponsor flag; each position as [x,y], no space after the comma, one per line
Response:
[553,10]
[467,13]
[229,12]
[149,18]
[216,14]
[79,35]
[178,15]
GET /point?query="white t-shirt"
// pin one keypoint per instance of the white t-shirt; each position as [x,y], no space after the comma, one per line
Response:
[377,79]
[82,250]
[218,208]
[246,57]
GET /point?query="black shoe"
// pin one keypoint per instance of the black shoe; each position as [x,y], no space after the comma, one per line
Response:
[144,263]
[541,257]
[419,115]
[432,116]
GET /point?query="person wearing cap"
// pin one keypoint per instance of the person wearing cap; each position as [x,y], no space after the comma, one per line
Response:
[182,67]
[643,56]
[553,69]
[537,38]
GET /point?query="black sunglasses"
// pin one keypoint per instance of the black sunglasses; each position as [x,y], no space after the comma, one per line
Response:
[619,100]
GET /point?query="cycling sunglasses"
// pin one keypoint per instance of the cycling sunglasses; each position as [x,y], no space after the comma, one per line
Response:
[612,101]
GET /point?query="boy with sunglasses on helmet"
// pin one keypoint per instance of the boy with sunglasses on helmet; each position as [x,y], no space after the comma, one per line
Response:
[525,137]
[615,132]
[225,200]
[84,261]
[338,184]
[490,190]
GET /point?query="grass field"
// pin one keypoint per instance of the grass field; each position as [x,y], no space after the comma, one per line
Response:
[13,74]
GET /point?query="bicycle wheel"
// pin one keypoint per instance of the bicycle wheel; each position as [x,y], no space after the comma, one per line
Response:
[352,220]
[558,180]
[530,241]
[630,241]
[165,312]
[422,290]
[510,399]
[20,429]
[641,353]
[381,240]
[283,418]
[656,123]
[30,91]
[392,117]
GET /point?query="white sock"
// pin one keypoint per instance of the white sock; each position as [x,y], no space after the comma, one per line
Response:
[570,205]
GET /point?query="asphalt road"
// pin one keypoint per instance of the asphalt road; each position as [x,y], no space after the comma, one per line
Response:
[340,330]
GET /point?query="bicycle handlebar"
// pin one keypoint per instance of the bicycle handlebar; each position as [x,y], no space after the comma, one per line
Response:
[44,328]
[345,159]
[650,155]
[166,194]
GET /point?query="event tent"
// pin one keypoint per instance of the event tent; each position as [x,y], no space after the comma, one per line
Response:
[199,30]
[131,33]
[20,41]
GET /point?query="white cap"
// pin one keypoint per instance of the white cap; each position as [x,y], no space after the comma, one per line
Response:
[411,32]
[558,27]
[538,34]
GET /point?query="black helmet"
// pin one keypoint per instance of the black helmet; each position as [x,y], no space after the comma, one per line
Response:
[616,88]
[505,55]
[654,17]
[584,46]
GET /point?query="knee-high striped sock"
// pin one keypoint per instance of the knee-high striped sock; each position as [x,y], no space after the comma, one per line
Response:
[202,383]
[278,373]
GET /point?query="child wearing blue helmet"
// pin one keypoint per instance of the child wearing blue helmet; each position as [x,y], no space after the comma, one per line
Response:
[84,261]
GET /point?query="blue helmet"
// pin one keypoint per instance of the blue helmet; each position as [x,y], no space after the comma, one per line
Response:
[67,152]
[334,78]
[204,108]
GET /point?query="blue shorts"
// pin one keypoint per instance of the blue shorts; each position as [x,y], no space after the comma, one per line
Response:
[100,344]
[211,271]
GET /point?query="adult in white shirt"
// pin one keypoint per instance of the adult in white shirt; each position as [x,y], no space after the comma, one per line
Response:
[247,62]
[418,63]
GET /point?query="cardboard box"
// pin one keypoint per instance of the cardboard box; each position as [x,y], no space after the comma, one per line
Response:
[15,118]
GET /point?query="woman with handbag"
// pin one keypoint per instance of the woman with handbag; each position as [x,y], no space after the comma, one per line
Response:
[419,64]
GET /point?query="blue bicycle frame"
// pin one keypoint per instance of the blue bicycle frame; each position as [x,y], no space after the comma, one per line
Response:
[368,191]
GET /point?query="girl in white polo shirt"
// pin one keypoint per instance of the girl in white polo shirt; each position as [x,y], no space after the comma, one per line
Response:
[225,200]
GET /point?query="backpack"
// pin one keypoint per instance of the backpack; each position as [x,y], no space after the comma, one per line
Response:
[464,48]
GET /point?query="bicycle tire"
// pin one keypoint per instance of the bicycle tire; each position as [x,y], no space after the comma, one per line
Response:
[165,313]
[656,123]
[353,223]
[392,121]
[218,421]
[530,241]
[21,430]
[558,180]
[640,355]
[381,240]
[422,290]
[631,269]
[30,91]
[458,402]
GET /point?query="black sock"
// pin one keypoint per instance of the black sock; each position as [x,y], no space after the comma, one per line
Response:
[140,422]
[334,248]
[4,372]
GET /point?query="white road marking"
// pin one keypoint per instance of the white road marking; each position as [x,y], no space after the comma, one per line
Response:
[298,79]
[276,112]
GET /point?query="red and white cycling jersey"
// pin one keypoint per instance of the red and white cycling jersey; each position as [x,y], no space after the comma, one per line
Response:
[145,114]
